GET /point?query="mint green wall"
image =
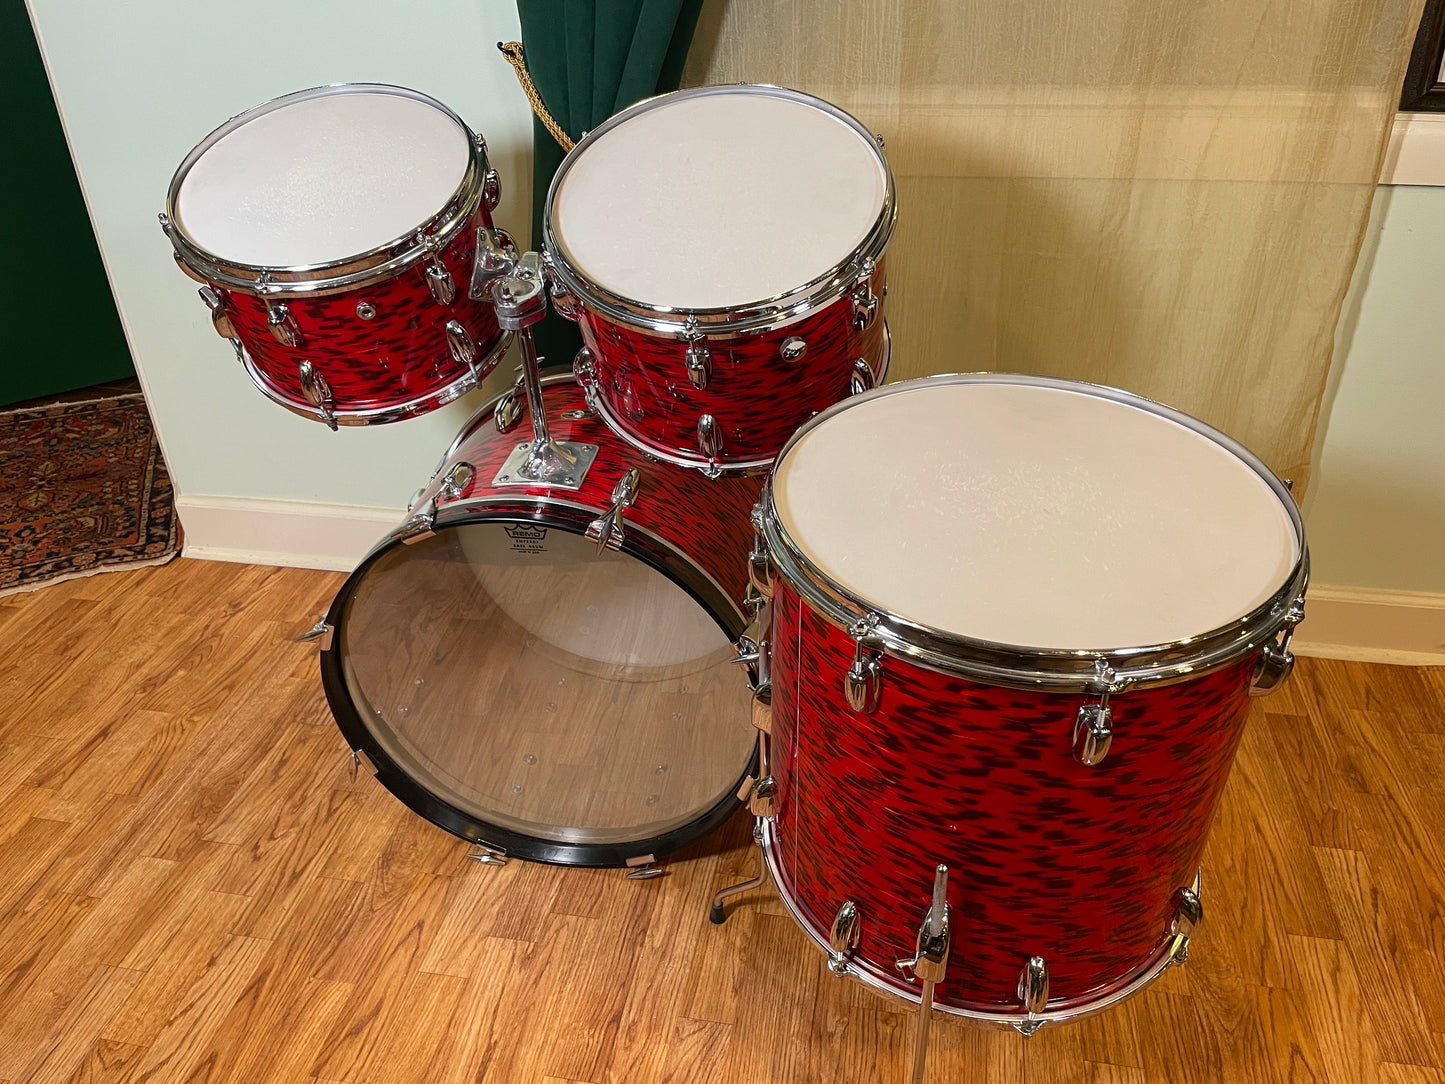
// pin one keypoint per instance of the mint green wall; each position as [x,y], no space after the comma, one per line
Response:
[1376,508]
[138,85]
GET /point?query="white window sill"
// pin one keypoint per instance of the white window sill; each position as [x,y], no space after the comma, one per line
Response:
[1416,153]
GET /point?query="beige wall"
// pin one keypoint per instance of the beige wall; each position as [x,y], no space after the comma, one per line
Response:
[1376,509]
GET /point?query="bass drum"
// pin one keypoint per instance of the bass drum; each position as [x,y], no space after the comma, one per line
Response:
[520,687]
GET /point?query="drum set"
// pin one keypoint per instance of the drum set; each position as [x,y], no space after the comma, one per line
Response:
[998,632]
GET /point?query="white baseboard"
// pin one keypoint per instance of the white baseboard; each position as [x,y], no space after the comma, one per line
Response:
[1406,627]
[299,534]
[1416,150]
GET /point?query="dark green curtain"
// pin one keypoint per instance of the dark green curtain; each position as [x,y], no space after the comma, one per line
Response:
[589,59]
[61,327]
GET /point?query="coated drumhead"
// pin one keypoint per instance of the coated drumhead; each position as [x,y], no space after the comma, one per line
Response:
[718,199]
[522,681]
[321,176]
[1039,516]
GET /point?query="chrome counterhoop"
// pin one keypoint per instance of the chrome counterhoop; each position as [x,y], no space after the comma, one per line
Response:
[1048,669]
[772,312]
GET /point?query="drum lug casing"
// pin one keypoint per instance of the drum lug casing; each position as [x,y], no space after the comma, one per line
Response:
[863,681]
[1033,991]
[454,484]
[1094,723]
[697,358]
[283,326]
[509,408]
[317,392]
[865,301]
[710,444]
[1188,916]
[460,343]
[1276,660]
[844,936]
[763,800]
[438,279]
[220,314]
[420,524]
[863,378]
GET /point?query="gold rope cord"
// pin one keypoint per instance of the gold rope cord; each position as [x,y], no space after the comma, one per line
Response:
[512,50]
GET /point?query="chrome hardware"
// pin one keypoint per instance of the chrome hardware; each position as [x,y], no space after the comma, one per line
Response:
[793,348]
[1288,484]
[878,138]
[754,648]
[862,378]
[717,914]
[459,342]
[1033,991]
[643,868]
[697,359]
[760,568]
[1094,724]
[455,483]
[438,278]
[865,301]
[220,315]
[1276,660]
[584,371]
[322,631]
[519,300]
[495,257]
[491,189]
[365,310]
[843,937]
[929,962]
[354,765]
[563,299]
[710,444]
[508,411]
[489,856]
[606,529]
[439,282]
[761,802]
[1188,916]
[317,392]
[420,523]
[284,328]
[863,683]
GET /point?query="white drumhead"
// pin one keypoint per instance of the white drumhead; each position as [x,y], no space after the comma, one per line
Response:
[1041,517]
[717,200]
[323,178]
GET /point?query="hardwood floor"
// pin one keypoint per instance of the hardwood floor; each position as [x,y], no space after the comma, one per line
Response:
[192,890]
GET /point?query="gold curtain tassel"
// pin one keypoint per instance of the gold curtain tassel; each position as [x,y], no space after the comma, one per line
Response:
[512,50]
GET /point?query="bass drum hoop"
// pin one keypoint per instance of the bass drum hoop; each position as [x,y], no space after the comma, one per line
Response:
[656,554]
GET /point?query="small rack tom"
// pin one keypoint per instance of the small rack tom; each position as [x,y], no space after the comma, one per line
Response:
[333,231]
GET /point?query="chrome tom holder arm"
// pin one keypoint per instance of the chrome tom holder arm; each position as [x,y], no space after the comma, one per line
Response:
[519,298]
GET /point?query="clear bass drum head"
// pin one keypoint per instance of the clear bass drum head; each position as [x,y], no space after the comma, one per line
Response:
[523,690]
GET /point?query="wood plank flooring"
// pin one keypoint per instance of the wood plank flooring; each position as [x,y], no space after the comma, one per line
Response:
[191,889]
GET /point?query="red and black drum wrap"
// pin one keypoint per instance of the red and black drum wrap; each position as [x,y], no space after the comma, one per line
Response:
[1046,856]
[696,522]
[757,397]
[396,359]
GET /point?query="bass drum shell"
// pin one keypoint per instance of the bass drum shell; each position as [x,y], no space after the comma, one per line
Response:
[518,688]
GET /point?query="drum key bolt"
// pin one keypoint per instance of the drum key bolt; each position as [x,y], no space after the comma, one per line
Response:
[282,324]
[863,683]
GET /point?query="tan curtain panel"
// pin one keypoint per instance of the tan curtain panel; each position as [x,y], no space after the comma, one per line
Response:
[1161,195]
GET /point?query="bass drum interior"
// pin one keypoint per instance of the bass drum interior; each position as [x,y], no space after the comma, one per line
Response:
[519,688]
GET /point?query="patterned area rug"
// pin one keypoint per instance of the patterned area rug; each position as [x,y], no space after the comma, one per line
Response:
[83,489]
